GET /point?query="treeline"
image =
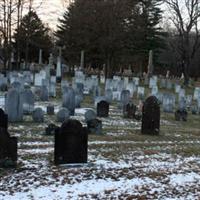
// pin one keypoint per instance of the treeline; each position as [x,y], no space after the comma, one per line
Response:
[114,35]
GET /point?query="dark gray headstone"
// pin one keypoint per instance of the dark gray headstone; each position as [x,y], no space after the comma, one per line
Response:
[103,109]
[38,115]
[151,116]
[51,129]
[63,114]
[90,115]
[95,126]
[181,115]
[3,120]
[8,145]
[50,110]
[71,143]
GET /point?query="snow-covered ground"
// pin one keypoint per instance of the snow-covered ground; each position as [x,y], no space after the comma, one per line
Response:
[122,164]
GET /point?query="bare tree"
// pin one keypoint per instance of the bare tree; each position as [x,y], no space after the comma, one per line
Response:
[185,15]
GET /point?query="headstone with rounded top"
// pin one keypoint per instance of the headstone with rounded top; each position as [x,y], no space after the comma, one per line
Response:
[151,116]
[63,114]
[71,143]
[38,115]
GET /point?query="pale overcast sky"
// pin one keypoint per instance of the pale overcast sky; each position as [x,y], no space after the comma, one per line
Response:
[49,11]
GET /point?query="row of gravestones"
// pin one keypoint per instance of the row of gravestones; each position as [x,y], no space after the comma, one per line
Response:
[71,139]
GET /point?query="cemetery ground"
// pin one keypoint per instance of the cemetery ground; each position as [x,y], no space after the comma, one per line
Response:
[122,163]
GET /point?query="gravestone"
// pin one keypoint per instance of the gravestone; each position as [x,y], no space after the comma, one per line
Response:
[14,106]
[141,93]
[129,111]
[94,125]
[103,109]
[181,115]
[168,103]
[38,115]
[150,64]
[151,116]
[169,85]
[69,100]
[78,100]
[3,120]
[17,85]
[52,89]
[8,145]
[50,110]
[71,143]
[90,115]
[44,93]
[62,115]
[163,83]
[109,95]
[125,97]
[182,104]
[28,101]
[194,109]
[3,83]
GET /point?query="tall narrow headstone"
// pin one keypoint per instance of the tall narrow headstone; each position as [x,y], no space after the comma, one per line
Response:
[150,64]
[82,59]
[14,105]
[40,57]
[58,70]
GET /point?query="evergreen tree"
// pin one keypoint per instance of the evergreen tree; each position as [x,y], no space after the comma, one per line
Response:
[31,36]
[144,33]
[111,32]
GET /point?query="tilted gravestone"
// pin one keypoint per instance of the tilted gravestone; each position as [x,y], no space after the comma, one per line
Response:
[129,110]
[62,115]
[90,115]
[38,115]
[103,109]
[14,105]
[8,145]
[151,116]
[71,143]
